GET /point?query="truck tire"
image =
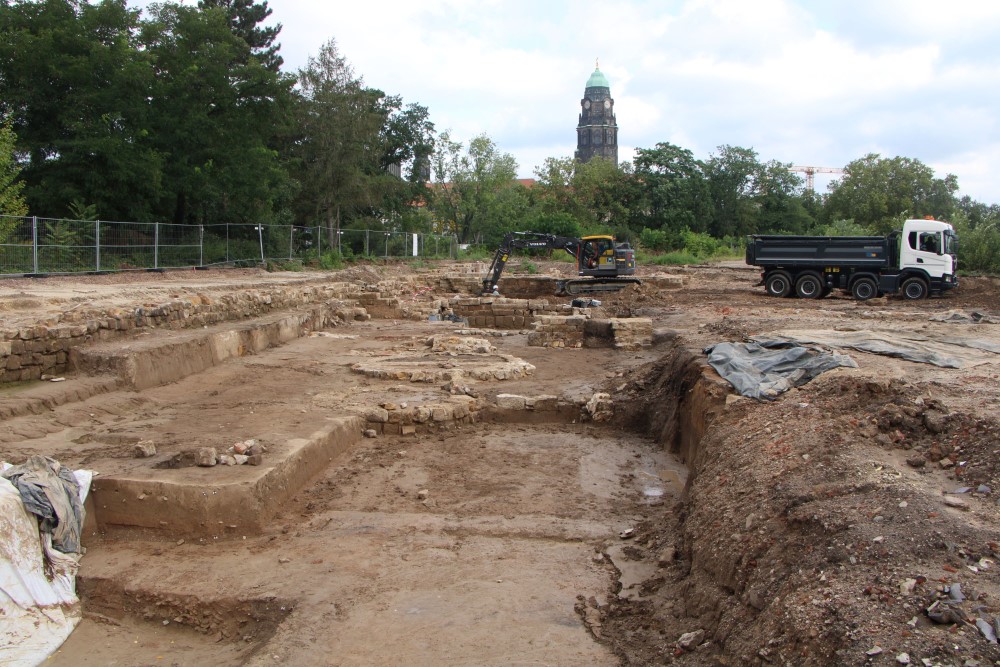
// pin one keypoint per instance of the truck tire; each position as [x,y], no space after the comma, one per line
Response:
[778,283]
[914,289]
[809,286]
[863,289]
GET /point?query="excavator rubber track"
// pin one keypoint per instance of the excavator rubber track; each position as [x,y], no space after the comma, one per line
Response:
[575,286]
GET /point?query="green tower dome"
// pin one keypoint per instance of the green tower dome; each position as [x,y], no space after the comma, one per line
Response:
[598,80]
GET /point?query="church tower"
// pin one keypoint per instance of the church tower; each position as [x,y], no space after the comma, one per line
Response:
[597,130]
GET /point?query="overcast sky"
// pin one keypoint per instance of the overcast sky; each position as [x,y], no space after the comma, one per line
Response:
[815,83]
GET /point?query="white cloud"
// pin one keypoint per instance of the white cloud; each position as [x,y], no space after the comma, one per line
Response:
[819,83]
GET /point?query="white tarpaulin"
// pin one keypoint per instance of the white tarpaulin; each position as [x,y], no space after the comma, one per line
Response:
[38,602]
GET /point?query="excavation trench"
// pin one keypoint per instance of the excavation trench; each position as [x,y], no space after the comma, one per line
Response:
[525,493]
[614,504]
[482,511]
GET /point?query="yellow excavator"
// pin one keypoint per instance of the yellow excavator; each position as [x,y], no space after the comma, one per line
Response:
[602,264]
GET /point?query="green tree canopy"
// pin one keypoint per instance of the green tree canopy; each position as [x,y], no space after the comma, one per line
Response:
[216,116]
[674,192]
[11,189]
[76,86]
[245,18]
[469,183]
[750,196]
[877,192]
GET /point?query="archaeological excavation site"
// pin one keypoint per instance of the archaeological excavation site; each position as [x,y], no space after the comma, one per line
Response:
[382,466]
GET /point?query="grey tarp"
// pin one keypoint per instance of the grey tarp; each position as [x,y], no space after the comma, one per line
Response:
[765,369]
[945,351]
[51,492]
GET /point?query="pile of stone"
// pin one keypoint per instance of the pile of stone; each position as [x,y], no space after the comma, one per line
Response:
[402,419]
[247,452]
[501,313]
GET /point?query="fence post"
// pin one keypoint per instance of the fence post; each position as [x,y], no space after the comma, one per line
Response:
[366,243]
[291,232]
[97,245]
[34,244]
[156,245]
[260,239]
[201,245]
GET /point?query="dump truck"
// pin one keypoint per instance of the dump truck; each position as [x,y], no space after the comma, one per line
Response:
[918,260]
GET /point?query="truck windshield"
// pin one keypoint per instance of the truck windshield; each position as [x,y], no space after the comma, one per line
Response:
[950,243]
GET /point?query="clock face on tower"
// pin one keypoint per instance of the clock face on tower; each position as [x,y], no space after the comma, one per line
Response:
[607,104]
[586,104]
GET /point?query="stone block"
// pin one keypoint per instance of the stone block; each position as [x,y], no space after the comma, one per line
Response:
[511,402]
[206,457]
[442,413]
[377,415]
[543,403]
[144,449]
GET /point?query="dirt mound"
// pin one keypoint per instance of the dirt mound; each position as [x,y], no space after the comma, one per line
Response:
[849,522]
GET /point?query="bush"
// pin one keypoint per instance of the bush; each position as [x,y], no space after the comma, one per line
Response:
[700,244]
[331,260]
[655,239]
[676,258]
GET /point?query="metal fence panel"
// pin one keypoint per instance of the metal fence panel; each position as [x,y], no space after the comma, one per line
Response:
[38,246]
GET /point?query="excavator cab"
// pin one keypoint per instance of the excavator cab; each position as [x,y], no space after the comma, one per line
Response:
[601,256]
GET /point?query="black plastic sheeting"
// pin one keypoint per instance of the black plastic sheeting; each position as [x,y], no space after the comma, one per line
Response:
[766,369]
[50,492]
[944,351]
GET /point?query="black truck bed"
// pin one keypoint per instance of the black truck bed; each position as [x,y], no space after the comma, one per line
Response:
[858,251]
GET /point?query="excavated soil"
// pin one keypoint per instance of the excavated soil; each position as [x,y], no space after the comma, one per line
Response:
[851,521]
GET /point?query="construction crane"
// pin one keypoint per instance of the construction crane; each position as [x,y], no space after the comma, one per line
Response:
[811,172]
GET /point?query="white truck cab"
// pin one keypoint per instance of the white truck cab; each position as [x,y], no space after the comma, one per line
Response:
[930,246]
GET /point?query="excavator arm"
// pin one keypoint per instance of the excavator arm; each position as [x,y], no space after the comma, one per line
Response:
[520,240]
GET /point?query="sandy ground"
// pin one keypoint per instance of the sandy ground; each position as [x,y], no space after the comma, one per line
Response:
[789,544]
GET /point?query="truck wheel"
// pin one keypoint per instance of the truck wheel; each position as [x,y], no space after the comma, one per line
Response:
[914,289]
[809,286]
[778,283]
[864,288]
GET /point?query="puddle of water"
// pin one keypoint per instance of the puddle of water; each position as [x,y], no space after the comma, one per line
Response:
[652,492]
[674,480]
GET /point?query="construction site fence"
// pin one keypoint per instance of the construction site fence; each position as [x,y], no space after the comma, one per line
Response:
[33,246]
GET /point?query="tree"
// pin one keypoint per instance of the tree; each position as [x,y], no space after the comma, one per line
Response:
[596,193]
[877,192]
[674,191]
[468,185]
[750,196]
[978,214]
[245,18]
[11,190]
[76,87]
[340,151]
[215,117]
